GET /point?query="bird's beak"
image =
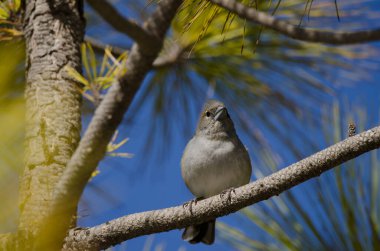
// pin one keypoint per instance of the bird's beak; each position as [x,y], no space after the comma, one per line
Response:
[220,112]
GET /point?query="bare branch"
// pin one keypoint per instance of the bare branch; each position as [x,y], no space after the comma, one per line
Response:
[121,23]
[131,226]
[107,117]
[310,35]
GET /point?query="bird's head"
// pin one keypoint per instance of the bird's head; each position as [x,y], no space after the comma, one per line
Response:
[215,121]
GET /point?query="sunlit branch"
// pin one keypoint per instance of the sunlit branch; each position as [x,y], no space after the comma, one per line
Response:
[296,32]
[134,225]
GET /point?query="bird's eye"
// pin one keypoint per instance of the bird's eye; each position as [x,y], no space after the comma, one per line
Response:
[208,114]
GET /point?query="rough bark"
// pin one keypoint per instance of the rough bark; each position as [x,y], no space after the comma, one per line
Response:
[53,32]
[107,117]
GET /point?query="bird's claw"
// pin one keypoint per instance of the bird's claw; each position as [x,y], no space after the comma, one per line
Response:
[190,204]
[227,193]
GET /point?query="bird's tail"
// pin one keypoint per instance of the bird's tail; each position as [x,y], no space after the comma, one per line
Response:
[204,232]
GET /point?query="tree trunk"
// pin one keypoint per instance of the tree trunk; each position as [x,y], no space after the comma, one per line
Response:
[53,31]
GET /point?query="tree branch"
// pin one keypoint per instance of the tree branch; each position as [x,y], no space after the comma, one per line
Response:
[107,117]
[53,31]
[318,36]
[121,23]
[128,227]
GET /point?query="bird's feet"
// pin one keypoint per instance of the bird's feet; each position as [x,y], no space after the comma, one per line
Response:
[190,204]
[227,193]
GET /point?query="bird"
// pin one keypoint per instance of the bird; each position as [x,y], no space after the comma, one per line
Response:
[214,161]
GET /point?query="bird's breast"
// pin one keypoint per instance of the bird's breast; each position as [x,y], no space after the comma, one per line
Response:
[212,166]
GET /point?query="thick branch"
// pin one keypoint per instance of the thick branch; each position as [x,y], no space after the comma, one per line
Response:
[128,227]
[328,37]
[107,117]
[121,23]
[53,31]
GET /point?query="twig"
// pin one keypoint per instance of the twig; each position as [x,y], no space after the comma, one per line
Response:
[296,32]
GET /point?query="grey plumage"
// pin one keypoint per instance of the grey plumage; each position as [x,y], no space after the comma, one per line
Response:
[214,160]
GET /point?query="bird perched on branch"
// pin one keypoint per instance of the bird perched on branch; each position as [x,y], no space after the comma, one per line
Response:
[214,161]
